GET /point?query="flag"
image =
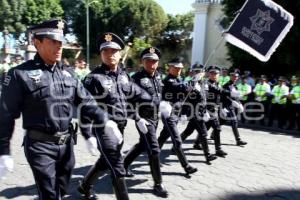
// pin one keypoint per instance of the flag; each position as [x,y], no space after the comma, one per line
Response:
[259,28]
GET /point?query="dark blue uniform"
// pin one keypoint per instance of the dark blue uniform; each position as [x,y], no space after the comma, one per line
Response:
[197,103]
[232,114]
[45,96]
[112,91]
[214,94]
[174,92]
[153,85]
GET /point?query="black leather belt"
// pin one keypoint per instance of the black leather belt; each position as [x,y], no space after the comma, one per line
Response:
[59,138]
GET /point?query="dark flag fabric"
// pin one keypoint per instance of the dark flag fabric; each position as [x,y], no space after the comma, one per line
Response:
[259,28]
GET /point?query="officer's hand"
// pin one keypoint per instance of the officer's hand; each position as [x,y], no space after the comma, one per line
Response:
[240,108]
[235,94]
[142,125]
[206,117]
[277,99]
[224,112]
[183,119]
[91,144]
[197,87]
[6,165]
[235,104]
[165,108]
[112,128]
[298,101]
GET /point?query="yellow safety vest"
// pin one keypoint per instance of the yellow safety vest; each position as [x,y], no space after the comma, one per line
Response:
[278,92]
[243,88]
[296,90]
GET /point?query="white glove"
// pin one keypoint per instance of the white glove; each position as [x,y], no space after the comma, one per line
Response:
[165,108]
[91,144]
[235,104]
[6,165]
[240,108]
[197,87]
[112,128]
[223,112]
[298,101]
[258,98]
[198,76]
[235,93]
[142,125]
[183,119]
[206,117]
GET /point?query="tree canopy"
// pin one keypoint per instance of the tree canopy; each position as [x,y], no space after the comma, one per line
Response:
[285,60]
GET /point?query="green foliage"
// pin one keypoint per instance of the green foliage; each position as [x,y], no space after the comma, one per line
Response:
[285,60]
[16,15]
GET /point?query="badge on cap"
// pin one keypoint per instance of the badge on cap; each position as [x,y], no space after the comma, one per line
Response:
[152,50]
[108,38]
[60,25]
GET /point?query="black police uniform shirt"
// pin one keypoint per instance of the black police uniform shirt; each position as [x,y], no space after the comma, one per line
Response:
[153,86]
[46,97]
[214,95]
[174,90]
[114,90]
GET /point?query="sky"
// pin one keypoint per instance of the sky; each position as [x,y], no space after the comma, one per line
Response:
[176,6]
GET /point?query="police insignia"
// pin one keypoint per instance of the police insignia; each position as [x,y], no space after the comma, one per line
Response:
[107,84]
[35,75]
[88,80]
[145,82]
[6,80]
[60,25]
[108,37]
[259,28]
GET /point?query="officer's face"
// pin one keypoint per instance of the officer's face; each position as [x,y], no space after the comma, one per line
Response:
[175,71]
[234,78]
[111,57]
[213,76]
[150,65]
[49,50]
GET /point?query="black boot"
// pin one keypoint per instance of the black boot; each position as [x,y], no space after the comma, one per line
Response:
[86,185]
[208,156]
[130,156]
[197,146]
[236,134]
[189,169]
[158,188]
[120,188]
[217,139]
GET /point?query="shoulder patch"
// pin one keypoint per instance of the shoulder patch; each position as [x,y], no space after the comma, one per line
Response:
[35,74]
[6,80]
[66,73]
[88,80]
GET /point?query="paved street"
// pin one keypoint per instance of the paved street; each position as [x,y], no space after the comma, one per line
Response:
[267,168]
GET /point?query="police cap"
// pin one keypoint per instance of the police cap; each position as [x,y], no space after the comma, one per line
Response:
[234,72]
[111,41]
[197,67]
[281,78]
[263,77]
[53,29]
[151,53]
[176,62]
[213,69]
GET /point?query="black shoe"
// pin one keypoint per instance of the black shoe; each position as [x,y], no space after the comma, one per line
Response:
[129,173]
[173,150]
[160,190]
[210,158]
[221,153]
[240,143]
[189,169]
[197,146]
[87,191]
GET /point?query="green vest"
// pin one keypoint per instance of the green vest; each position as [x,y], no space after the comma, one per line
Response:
[260,91]
[296,90]
[223,79]
[278,92]
[243,88]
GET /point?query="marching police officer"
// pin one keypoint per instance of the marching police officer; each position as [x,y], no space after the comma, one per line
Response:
[150,80]
[113,90]
[197,103]
[44,92]
[214,94]
[234,107]
[173,92]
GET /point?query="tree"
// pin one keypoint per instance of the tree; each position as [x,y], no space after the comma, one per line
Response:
[285,60]
[16,15]
[129,19]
